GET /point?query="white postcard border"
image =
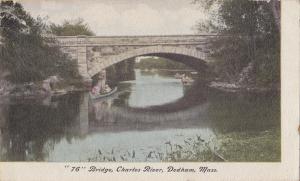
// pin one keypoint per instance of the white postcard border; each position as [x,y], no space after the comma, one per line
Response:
[288,169]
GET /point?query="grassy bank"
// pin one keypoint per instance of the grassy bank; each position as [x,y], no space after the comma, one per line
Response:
[261,147]
[231,147]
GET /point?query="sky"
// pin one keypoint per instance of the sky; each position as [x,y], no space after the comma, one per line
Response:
[122,17]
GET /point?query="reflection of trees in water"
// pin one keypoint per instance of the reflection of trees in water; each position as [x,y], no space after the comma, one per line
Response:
[100,111]
[4,108]
[31,129]
[122,71]
[30,125]
[123,96]
[244,112]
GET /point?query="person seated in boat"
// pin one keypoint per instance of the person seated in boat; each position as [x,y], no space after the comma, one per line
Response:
[96,90]
[177,76]
[107,88]
[184,78]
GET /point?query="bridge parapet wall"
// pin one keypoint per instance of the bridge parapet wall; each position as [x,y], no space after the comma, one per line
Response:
[132,40]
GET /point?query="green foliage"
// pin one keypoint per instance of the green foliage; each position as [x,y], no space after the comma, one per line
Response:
[159,63]
[115,73]
[71,28]
[122,71]
[254,38]
[26,53]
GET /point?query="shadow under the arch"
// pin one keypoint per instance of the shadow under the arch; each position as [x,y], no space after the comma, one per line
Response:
[182,113]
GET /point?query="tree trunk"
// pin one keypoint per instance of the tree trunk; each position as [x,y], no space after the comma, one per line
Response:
[275,8]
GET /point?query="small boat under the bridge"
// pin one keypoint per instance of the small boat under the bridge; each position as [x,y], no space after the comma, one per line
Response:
[187,80]
[178,76]
[100,96]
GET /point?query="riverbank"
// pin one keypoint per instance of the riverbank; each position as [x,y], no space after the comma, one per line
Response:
[5,88]
[254,147]
[224,86]
[169,70]
[231,87]
[36,89]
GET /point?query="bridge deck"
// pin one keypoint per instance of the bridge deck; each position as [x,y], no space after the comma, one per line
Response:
[133,40]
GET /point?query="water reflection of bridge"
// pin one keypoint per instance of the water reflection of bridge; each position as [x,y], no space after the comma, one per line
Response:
[119,119]
[183,113]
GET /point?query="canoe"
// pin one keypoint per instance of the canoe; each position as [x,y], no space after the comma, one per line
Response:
[99,96]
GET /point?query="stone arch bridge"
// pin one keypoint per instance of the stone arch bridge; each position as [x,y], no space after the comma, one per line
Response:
[95,53]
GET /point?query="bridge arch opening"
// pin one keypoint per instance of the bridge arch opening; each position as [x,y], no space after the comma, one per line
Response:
[114,76]
[193,58]
[125,70]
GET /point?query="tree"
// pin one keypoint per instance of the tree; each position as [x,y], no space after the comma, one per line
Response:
[26,54]
[159,63]
[71,28]
[248,48]
[115,73]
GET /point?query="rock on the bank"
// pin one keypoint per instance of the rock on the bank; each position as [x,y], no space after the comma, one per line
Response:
[5,87]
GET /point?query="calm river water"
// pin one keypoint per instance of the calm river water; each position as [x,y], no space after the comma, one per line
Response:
[144,116]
